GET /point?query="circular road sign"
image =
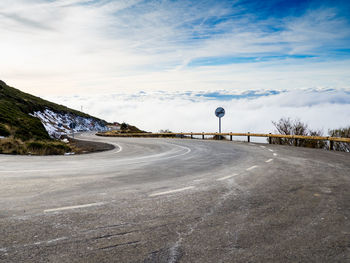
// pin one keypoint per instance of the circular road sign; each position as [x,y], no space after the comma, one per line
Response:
[220,112]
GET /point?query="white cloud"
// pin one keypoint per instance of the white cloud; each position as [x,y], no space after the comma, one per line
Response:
[80,46]
[321,109]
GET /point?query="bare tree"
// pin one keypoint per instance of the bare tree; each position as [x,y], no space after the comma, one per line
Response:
[287,126]
[342,132]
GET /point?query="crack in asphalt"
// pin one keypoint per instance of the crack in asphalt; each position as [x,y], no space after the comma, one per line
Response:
[174,250]
[120,244]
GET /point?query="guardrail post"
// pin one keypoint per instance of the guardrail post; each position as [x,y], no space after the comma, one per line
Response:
[203,135]
[191,135]
[231,137]
[248,137]
[270,139]
[331,145]
[295,142]
[181,135]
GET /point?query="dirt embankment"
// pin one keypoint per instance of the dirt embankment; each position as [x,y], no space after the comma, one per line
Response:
[83,147]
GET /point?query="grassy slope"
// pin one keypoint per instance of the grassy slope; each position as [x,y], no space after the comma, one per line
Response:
[15,107]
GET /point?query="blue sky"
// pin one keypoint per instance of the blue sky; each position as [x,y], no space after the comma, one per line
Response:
[228,48]
[107,45]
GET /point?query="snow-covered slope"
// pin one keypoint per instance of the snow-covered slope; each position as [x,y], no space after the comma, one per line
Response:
[57,124]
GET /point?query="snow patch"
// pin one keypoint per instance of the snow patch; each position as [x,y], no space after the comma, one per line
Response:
[57,124]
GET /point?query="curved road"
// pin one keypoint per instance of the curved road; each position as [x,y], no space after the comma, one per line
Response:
[173,200]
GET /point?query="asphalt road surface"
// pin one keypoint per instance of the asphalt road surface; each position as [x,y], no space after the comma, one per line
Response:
[176,200]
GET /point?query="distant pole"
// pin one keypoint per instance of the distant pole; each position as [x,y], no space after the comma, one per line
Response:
[220,125]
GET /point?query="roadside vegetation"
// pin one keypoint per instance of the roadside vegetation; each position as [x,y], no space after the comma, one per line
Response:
[342,132]
[15,107]
[33,147]
[288,126]
[125,128]
[21,133]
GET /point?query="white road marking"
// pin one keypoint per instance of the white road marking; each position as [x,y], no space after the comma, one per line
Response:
[50,241]
[90,137]
[270,150]
[274,154]
[158,156]
[120,148]
[225,177]
[198,180]
[251,168]
[137,160]
[172,191]
[188,150]
[269,160]
[263,147]
[29,171]
[72,207]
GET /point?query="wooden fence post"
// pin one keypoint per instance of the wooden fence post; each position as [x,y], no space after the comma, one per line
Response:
[203,135]
[191,135]
[331,145]
[270,139]
[248,137]
[231,137]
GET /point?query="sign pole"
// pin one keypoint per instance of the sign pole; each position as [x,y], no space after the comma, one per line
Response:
[72,125]
[220,112]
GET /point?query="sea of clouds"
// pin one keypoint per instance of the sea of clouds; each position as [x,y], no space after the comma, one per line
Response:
[192,111]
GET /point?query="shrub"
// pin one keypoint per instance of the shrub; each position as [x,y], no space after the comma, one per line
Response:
[287,126]
[341,132]
[3,131]
[47,148]
[12,146]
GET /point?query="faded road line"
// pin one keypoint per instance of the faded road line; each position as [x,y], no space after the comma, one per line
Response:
[274,154]
[263,147]
[251,168]
[72,207]
[270,150]
[225,177]
[30,171]
[198,180]
[269,160]
[50,241]
[172,191]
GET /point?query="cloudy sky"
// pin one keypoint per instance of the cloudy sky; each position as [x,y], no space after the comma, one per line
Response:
[169,64]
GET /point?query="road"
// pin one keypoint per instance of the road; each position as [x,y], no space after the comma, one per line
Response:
[176,200]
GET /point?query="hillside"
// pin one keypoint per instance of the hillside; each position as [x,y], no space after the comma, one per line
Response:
[27,117]
[30,125]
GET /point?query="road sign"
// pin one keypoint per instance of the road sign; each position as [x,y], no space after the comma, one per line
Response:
[220,112]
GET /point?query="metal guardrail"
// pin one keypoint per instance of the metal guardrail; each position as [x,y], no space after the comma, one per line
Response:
[231,134]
